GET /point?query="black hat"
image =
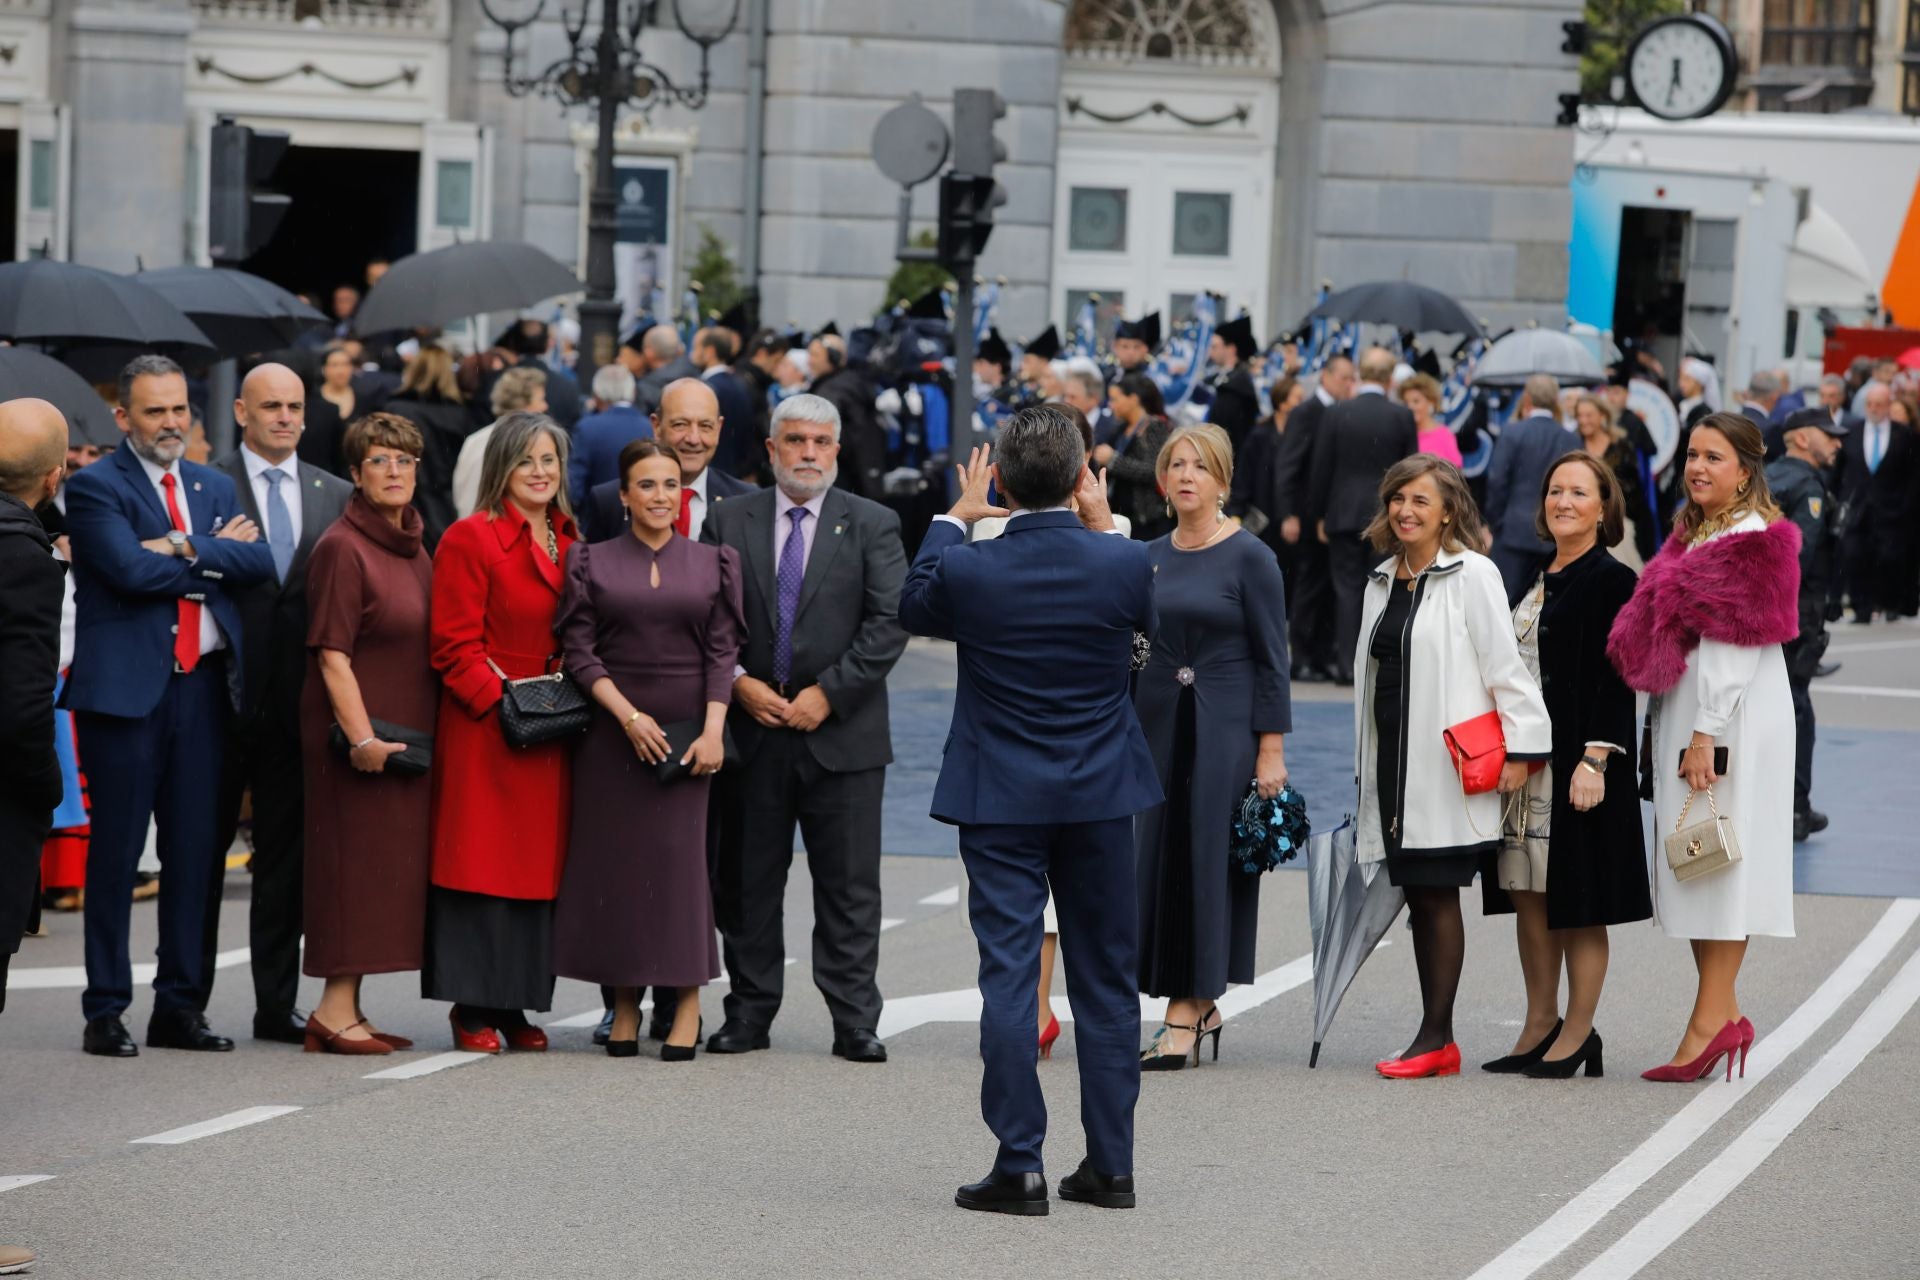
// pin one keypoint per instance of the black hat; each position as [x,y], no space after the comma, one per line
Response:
[1239,333]
[1815,416]
[1146,328]
[827,330]
[1618,375]
[994,350]
[928,307]
[1047,345]
[739,318]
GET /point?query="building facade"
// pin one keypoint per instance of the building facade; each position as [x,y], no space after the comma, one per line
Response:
[1156,148]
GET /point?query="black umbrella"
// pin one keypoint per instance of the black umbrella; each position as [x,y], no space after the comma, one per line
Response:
[434,288]
[241,313]
[65,307]
[1402,304]
[25,373]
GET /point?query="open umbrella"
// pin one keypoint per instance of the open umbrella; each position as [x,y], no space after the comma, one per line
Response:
[65,307]
[442,285]
[1525,352]
[1348,914]
[1402,304]
[25,373]
[240,313]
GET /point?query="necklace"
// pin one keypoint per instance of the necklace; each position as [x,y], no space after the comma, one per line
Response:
[1413,576]
[1219,529]
[553,544]
[1716,524]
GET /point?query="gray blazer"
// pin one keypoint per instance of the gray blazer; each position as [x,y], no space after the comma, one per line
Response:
[846,634]
[1525,449]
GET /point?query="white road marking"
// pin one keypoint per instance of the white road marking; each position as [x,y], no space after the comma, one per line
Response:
[1865,690]
[1693,1201]
[1582,1213]
[74,976]
[1874,646]
[888,922]
[427,1066]
[947,897]
[12,1181]
[219,1124]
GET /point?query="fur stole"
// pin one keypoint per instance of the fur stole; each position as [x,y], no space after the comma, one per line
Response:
[1740,588]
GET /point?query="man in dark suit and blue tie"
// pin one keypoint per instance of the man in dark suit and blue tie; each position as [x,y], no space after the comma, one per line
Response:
[1045,769]
[158,545]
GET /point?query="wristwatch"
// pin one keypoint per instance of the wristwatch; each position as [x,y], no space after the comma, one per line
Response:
[178,541]
[1596,763]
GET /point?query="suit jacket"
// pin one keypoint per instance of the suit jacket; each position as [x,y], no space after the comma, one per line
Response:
[1521,456]
[1358,440]
[738,452]
[646,396]
[273,615]
[1293,461]
[126,598]
[1880,503]
[1044,729]
[598,439]
[846,632]
[602,517]
[34,587]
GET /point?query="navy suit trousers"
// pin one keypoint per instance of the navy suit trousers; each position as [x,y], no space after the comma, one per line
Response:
[165,767]
[1090,866]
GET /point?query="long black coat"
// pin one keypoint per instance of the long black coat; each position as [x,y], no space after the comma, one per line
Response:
[31,586]
[1597,860]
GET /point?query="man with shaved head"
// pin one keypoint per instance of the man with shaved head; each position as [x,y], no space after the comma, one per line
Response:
[688,420]
[293,503]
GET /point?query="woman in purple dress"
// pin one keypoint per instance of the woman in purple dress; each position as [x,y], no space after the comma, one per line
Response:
[650,625]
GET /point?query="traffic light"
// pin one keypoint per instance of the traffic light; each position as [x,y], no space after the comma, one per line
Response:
[969,194]
[241,218]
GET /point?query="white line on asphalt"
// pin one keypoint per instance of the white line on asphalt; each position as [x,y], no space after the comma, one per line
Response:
[12,1181]
[1874,646]
[947,897]
[1866,690]
[1707,1188]
[75,976]
[219,1124]
[427,1066]
[888,922]
[1582,1213]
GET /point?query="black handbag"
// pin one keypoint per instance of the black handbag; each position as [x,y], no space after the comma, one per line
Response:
[681,735]
[540,709]
[416,760]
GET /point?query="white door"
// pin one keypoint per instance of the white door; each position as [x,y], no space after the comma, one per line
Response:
[45,181]
[456,183]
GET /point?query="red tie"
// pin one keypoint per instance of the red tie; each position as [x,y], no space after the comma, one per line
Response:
[186,636]
[684,525]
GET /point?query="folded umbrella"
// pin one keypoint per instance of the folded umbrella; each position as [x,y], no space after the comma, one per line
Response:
[67,308]
[1524,352]
[26,373]
[1407,306]
[241,314]
[1349,912]
[442,285]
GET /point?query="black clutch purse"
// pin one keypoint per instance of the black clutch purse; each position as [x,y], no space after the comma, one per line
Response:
[416,760]
[682,735]
[541,709]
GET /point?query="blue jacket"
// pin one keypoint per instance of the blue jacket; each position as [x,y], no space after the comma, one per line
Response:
[126,598]
[1524,450]
[598,439]
[1044,729]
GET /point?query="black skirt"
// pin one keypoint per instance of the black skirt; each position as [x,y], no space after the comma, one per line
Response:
[1404,870]
[488,952]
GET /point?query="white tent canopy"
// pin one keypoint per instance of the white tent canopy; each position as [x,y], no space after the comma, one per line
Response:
[1826,267]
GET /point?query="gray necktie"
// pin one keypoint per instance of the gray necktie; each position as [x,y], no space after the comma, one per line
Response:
[280,539]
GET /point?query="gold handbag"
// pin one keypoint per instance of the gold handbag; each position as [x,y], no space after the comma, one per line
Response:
[1704,847]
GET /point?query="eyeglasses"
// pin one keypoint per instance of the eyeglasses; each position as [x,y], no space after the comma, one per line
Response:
[393,462]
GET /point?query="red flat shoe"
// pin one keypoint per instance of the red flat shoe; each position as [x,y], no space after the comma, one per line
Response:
[1444,1061]
[398,1042]
[1731,1039]
[1048,1036]
[527,1038]
[485,1040]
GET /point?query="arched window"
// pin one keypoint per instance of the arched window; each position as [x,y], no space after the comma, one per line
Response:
[1208,33]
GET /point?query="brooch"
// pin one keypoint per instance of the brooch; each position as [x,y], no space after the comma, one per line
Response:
[1184,675]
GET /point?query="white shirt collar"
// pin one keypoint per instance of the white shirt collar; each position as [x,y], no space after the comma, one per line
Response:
[712,371]
[1548,414]
[154,472]
[1323,396]
[258,466]
[699,485]
[1038,511]
[1369,389]
[783,504]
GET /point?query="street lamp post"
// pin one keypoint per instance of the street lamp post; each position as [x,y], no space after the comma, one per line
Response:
[608,72]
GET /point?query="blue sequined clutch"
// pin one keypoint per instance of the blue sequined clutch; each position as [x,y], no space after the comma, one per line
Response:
[1267,833]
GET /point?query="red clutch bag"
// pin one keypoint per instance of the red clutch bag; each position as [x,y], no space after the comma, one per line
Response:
[1479,751]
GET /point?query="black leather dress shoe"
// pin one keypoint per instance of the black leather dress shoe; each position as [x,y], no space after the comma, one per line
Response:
[184,1029]
[1090,1186]
[281,1028]
[1825,669]
[737,1037]
[857,1045]
[107,1037]
[1021,1193]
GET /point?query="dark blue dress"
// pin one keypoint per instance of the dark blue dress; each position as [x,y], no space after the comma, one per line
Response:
[1216,681]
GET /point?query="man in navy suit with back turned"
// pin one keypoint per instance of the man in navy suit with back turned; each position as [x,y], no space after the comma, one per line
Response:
[159,544]
[1045,769]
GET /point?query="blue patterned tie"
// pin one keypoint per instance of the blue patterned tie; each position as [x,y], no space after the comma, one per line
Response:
[280,539]
[793,567]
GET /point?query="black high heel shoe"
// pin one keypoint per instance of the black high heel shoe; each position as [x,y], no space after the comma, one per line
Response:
[1205,1031]
[682,1052]
[622,1048]
[1516,1063]
[1152,1059]
[1587,1055]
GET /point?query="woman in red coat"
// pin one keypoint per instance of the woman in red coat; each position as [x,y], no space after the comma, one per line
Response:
[500,813]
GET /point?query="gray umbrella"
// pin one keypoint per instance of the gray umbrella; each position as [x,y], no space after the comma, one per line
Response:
[442,285]
[1348,916]
[25,373]
[1525,352]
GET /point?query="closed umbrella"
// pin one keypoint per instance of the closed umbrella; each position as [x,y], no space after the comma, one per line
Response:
[1407,306]
[1349,914]
[240,313]
[1525,352]
[434,288]
[26,373]
[67,308]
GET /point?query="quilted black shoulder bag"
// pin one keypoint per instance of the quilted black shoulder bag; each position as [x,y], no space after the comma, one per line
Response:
[541,709]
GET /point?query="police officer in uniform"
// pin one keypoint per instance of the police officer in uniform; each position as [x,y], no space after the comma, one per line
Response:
[1797,480]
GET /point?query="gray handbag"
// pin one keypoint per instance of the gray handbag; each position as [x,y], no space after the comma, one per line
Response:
[1704,847]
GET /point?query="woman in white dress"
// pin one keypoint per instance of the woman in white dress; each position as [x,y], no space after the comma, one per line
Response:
[1703,634]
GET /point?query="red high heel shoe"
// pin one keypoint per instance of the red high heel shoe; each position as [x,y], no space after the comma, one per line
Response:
[527,1038]
[1444,1061]
[1048,1036]
[1747,1035]
[485,1040]
[1723,1045]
